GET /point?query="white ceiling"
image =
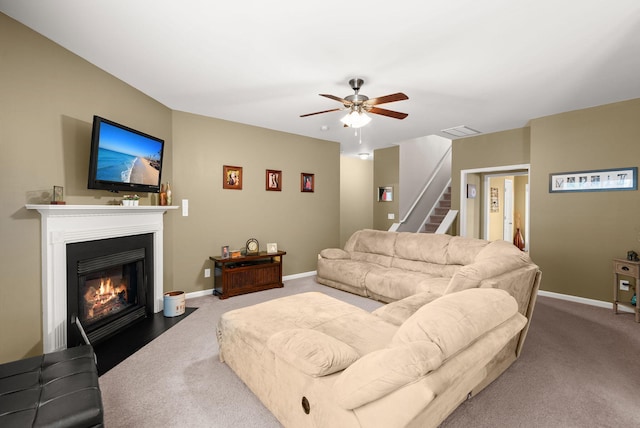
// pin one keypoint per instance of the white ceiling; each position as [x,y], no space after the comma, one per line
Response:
[491,65]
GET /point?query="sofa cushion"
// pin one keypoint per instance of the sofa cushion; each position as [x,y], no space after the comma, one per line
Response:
[470,276]
[424,247]
[349,272]
[396,284]
[375,242]
[381,372]
[334,254]
[455,320]
[311,351]
[463,251]
[399,311]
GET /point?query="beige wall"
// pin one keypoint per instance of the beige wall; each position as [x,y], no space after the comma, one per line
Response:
[356,196]
[300,223]
[48,97]
[386,172]
[574,236]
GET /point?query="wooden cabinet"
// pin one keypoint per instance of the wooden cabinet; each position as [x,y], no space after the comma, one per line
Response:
[629,269]
[246,274]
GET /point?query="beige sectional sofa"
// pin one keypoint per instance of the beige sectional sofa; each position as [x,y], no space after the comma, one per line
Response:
[459,315]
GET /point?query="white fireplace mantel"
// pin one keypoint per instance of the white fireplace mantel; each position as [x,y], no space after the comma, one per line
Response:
[65,224]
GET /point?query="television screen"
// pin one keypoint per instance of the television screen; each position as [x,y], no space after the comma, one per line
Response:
[123,158]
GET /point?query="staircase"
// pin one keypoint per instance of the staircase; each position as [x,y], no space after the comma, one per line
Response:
[444,205]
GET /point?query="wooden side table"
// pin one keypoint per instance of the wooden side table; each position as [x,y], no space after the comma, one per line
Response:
[630,269]
[246,274]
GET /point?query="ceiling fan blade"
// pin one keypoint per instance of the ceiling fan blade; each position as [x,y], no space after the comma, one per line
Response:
[320,112]
[389,113]
[340,100]
[387,99]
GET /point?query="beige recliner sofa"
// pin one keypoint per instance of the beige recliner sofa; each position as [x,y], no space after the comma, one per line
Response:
[315,361]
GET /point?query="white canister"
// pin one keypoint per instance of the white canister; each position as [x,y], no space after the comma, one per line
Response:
[174,303]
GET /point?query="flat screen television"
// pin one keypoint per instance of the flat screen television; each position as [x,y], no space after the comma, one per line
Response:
[123,159]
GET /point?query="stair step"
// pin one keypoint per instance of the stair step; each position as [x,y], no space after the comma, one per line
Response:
[441,211]
[445,204]
[437,219]
[430,227]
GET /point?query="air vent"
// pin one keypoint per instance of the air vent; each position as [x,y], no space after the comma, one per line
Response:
[461,131]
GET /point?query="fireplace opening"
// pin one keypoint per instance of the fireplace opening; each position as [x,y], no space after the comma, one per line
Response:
[109,285]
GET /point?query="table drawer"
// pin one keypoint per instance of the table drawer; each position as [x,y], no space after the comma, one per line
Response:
[628,269]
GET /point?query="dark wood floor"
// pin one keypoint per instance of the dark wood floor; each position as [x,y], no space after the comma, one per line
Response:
[116,349]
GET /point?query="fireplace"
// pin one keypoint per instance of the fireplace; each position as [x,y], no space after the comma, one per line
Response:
[108,285]
[67,224]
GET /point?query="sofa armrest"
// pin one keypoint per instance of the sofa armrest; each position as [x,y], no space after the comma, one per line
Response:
[334,254]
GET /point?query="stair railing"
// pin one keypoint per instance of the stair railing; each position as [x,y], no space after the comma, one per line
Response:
[440,178]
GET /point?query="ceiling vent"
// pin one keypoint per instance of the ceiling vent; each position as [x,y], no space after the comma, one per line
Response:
[461,131]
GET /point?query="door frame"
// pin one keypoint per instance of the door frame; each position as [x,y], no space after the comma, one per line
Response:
[488,170]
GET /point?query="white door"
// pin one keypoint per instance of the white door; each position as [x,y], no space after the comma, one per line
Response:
[508,211]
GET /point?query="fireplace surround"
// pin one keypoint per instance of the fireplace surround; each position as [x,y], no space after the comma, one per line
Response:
[66,224]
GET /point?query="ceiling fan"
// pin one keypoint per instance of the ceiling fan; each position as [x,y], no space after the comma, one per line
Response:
[358,105]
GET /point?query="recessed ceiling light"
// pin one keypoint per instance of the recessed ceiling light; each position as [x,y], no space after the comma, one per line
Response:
[324,128]
[461,131]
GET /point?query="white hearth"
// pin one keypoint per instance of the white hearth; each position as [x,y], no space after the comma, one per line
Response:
[65,224]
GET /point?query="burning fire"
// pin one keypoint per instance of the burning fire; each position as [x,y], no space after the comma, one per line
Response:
[101,299]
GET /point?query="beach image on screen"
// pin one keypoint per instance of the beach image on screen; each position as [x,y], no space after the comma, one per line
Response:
[127,157]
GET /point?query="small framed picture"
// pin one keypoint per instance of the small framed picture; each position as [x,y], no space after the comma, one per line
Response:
[273,180]
[385,194]
[57,198]
[232,177]
[471,191]
[307,182]
[272,248]
[224,252]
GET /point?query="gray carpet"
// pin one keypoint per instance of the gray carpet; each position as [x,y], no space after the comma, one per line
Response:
[579,368]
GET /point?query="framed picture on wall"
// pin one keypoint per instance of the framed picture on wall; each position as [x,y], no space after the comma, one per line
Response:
[471,191]
[495,201]
[307,182]
[273,180]
[232,177]
[385,194]
[594,180]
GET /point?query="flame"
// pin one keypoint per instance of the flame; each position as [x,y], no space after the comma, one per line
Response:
[106,293]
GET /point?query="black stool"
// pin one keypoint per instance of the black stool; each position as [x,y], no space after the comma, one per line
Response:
[59,389]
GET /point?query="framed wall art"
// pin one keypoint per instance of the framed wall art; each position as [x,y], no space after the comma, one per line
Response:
[471,191]
[273,180]
[385,194]
[57,196]
[232,177]
[495,200]
[594,180]
[307,182]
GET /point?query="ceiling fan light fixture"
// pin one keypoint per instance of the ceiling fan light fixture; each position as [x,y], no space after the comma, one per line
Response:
[355,119]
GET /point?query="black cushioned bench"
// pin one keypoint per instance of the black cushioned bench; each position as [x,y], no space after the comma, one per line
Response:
[58,389]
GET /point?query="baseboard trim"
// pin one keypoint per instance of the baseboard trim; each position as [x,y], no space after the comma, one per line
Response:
[208,292]
[583,300]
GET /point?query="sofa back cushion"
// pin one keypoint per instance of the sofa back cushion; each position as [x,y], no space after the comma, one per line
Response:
[455,320]
[463,251]
[373,246]
[424,247]
[497,258]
